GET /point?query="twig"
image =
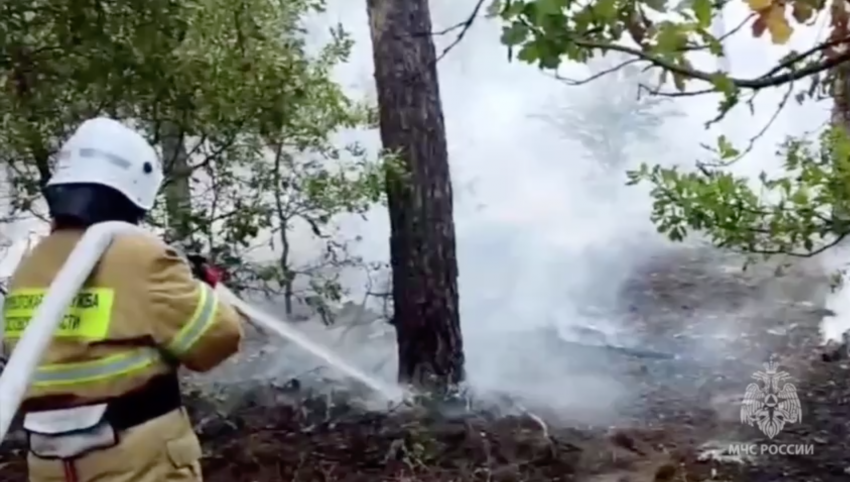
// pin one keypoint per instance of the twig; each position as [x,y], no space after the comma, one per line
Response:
[464,27]
[573,82]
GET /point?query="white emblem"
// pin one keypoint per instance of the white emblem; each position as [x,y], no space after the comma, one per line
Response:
[772,406]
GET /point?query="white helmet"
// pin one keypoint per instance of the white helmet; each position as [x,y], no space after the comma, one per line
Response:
[105,152]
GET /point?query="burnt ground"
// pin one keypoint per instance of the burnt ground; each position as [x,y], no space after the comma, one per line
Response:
[718,324]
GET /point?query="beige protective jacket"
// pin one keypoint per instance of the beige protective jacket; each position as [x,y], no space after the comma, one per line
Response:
[140,314]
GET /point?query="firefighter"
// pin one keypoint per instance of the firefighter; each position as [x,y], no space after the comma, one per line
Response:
[105,402]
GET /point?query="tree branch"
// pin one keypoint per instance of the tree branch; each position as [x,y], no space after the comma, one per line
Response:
[762,82]
[463,26]
[769,79]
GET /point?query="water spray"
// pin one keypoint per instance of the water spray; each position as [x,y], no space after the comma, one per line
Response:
[17,375]
[286,331]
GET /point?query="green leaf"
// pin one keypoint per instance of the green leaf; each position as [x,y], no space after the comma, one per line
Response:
[512,9]
[723,84]
[550,7]
[528,53]
[605,10]
[704,12]
[671,38]
[514,34]
[494,9]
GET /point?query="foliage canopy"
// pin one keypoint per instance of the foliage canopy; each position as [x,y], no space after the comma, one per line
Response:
[242,111]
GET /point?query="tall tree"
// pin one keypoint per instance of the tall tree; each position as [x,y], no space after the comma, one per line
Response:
[422,241]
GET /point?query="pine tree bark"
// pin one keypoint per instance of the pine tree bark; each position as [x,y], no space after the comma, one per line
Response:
[422,240]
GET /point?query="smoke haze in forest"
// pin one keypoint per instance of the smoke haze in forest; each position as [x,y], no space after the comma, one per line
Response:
[545,236]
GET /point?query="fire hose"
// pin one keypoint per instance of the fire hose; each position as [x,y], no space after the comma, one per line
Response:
[20,367]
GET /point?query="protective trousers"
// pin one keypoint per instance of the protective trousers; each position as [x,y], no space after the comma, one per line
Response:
[164,449]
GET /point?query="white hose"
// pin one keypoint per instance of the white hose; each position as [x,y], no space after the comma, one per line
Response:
[28,352]
[35,340]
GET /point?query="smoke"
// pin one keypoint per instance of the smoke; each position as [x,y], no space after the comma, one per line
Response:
[545,235]
[548,241]
[837,323]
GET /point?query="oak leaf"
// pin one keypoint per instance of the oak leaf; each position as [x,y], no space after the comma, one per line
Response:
[778,26]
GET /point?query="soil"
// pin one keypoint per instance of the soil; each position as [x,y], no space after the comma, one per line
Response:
[717,324]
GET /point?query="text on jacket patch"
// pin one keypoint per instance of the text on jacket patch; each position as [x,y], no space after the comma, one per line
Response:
[88,316]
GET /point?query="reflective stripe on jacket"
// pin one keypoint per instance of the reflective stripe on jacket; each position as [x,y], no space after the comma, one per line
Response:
[140,314]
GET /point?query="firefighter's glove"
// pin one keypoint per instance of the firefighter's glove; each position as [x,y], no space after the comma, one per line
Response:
[204,270]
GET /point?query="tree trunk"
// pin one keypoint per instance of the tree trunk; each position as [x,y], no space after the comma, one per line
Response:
[422,240]
[178,188]
[841,118]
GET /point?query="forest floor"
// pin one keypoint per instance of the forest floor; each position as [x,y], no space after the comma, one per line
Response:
[722,324]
